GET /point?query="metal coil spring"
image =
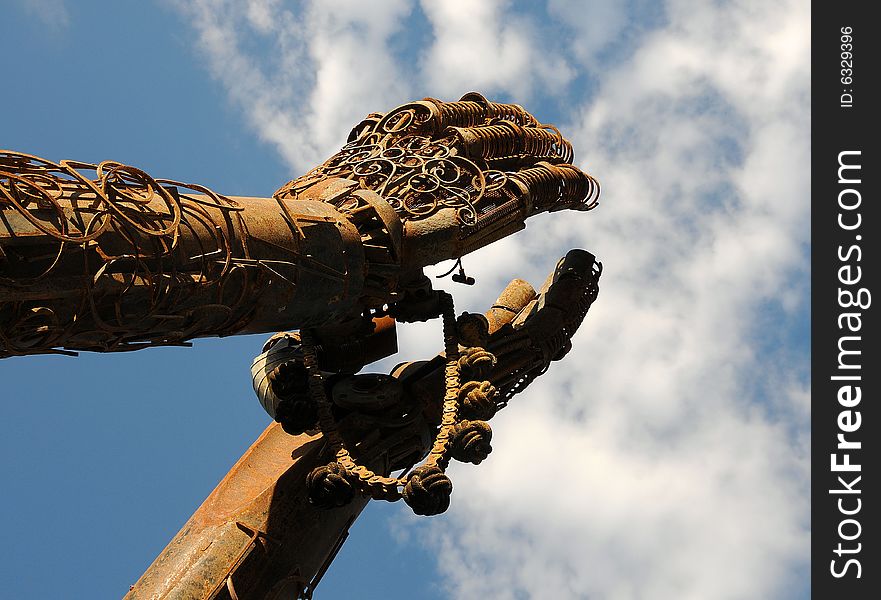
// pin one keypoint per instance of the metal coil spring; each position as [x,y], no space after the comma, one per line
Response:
[473,110]
[556,187]
[506,140]
[459,114]
[511,112]
[496,110]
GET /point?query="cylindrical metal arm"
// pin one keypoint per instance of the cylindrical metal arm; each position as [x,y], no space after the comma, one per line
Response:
[255,536]
[120,260]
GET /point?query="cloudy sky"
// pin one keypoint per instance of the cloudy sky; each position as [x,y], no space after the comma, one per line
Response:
[666,457]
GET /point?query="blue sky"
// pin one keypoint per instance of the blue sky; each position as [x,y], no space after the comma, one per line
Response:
[667,457]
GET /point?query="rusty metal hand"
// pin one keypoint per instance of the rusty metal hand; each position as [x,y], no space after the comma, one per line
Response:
[256,534]
[526,331]
[459,175]
[390,419]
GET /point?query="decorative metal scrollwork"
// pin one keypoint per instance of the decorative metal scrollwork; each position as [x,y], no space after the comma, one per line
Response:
[483,159]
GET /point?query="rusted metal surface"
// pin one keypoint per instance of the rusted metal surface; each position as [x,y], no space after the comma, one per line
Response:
[458,391]
[105,257]
[460,175]
[118,263]
[256,535]
[511,301]
[271,527]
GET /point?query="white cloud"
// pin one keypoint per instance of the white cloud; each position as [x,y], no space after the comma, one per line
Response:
[484,46]
[294,71]
[595,25]
[683,476]
[667,456]
[261,14]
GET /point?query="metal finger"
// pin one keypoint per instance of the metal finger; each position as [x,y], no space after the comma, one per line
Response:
[507,146]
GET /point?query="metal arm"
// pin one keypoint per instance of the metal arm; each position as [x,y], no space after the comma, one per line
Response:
[267,532]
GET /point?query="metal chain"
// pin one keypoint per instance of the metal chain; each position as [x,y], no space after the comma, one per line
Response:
[369,483]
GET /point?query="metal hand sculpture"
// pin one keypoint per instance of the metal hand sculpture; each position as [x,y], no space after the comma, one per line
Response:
[257,536]
[105,257]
